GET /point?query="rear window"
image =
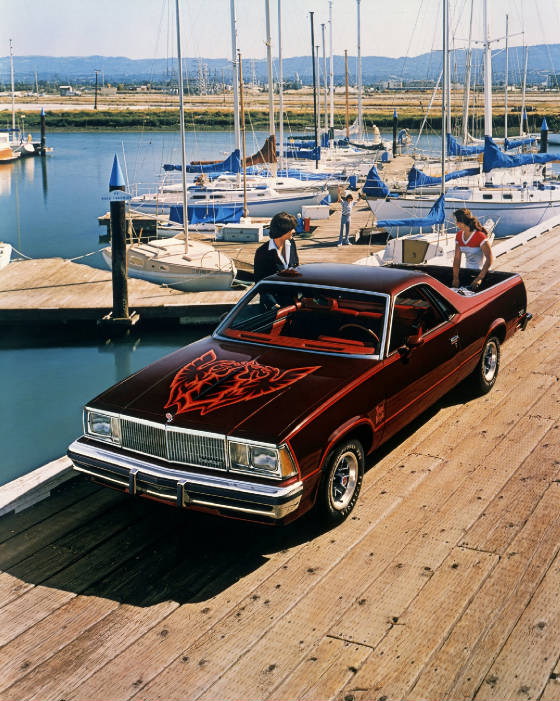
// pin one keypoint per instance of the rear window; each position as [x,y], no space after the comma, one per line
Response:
[309,318]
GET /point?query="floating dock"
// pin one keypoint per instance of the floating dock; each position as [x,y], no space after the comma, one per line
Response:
[442,585]
[56,290]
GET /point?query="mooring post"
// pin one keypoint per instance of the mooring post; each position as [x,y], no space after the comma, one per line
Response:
[120,316]
[43,148]
[544,136]
[395,123]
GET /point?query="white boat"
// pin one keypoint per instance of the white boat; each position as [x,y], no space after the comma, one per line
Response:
[5,254]
[7,154]
[429,248]
[165,262]
[262,202]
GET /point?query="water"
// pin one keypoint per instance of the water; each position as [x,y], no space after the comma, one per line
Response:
[49,208]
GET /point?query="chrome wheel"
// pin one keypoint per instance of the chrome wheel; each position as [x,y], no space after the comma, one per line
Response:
[490,360]
[343,480]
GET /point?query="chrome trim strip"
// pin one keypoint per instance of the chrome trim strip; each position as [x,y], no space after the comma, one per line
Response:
[128,463]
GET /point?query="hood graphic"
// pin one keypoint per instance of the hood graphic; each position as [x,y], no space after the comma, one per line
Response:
[206,384]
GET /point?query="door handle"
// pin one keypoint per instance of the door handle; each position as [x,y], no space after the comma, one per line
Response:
[454,339]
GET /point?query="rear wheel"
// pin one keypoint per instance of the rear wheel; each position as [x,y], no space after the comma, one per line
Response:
[341,482]
[486,372]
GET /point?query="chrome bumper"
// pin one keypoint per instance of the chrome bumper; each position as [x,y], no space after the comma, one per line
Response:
[182,488]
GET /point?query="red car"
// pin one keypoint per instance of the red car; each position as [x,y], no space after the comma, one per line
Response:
[309,373]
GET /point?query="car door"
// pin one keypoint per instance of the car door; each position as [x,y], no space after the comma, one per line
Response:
[417,372]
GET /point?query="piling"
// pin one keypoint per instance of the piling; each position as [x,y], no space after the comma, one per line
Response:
[544,137]
[119,318]
[395,125]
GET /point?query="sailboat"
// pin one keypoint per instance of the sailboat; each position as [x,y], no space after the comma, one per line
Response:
[514,208]
[178,262]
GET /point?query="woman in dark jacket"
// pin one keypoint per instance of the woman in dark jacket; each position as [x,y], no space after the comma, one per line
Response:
[280,252]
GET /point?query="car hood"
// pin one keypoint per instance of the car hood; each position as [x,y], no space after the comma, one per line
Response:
[233,388]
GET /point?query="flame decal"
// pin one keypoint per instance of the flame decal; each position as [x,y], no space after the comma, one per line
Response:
[207,384]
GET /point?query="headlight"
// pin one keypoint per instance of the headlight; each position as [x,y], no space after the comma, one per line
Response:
[102,426]
[262,460]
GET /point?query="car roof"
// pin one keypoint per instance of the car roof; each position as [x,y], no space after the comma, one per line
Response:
[386,280]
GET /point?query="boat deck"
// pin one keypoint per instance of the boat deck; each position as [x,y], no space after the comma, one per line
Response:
[444,583]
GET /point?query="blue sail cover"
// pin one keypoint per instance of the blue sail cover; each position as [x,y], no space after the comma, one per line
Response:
[494,158]
[436,215]
[374,186]
[514,143]
[207,213]
[454,148]
[232,164]
[416,178]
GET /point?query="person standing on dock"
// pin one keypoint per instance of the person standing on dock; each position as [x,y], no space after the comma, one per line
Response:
[280,252]
[472,242]
[347,204]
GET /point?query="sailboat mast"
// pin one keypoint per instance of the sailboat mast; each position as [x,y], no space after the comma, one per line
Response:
[487,74]
[444,90]
[506,80]
[359,72]
[243,157]
[523,91]
[325,76]
[182,127]
[314,89]
[331,67]
[13,93]
[346,86]
[234,79]
[467,92]
[271,126]
[280,88]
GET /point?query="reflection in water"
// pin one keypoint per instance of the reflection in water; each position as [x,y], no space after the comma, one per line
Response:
[28,167]
[6,179]
[44,177]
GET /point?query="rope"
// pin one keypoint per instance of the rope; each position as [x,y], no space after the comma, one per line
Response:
[70,260]
[21,254]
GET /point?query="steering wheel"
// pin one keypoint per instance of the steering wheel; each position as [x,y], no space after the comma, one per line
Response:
[361,327]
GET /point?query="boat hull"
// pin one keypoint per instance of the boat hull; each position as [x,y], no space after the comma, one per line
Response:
[511,218]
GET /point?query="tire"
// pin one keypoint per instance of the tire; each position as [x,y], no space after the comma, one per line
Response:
[341,482]
[485,374]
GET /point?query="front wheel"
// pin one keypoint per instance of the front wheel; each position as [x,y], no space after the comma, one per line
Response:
[486,371]
[341,482]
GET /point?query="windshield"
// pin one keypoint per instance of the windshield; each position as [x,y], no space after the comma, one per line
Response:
[310,318]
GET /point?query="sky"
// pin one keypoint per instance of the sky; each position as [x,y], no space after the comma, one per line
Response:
[145,28]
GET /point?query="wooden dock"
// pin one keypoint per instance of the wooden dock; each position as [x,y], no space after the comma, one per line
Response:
[444,584]
[54,289]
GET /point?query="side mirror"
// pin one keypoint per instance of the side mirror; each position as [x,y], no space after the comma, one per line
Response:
[415,341]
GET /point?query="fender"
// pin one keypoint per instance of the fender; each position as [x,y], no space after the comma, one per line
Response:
[500,322]
[339,433]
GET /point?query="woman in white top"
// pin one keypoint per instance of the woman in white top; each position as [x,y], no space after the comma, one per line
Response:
[472,241]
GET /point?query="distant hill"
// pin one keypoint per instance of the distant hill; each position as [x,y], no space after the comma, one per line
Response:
[544,59]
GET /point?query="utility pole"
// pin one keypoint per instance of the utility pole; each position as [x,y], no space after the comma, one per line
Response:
[96,81]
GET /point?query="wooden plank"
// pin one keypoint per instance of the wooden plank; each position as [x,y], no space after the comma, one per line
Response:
[322,671]
[529,655]
[62,497]
[51,634]
[93,649]
[397,662]
[459,667]
[49,530]
[213,653]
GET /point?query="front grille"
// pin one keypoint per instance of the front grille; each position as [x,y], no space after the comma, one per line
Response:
[168,443]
